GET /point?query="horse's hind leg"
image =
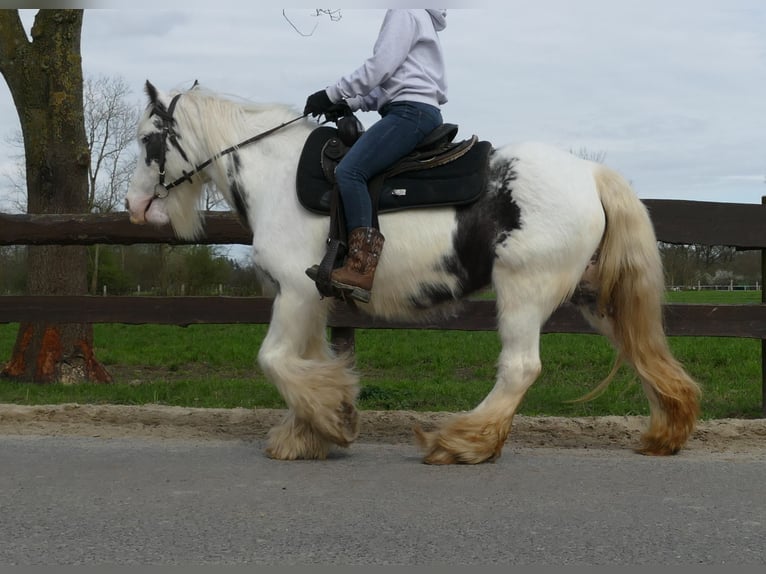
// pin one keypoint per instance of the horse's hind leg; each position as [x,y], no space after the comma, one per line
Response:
[320,389]
[480,434]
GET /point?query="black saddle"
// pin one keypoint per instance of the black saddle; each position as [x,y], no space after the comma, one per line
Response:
[439,172]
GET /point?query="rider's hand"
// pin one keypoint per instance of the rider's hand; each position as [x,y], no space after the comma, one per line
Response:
[317,104]
[337,111]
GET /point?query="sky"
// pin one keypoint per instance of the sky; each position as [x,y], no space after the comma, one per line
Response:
[669,92]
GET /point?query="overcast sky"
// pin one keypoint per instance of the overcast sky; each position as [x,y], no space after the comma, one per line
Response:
[670,91]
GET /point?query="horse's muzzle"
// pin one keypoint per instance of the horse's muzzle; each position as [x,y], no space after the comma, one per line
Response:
[137,212]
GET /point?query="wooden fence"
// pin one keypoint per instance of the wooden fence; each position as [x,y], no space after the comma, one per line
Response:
[681,222]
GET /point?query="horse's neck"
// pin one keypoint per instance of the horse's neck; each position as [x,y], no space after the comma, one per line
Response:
[260,176]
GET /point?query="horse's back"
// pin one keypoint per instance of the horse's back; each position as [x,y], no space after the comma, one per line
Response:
[541,167]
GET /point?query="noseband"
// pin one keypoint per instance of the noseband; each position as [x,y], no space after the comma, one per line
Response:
[156,147]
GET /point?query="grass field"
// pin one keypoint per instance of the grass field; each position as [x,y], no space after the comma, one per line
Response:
[214,366]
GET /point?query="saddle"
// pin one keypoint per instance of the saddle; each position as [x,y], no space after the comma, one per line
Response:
[439,172]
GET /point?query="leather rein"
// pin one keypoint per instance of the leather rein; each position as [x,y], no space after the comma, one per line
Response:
[168,132]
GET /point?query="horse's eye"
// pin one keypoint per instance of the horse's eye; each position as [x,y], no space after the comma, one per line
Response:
[144,140]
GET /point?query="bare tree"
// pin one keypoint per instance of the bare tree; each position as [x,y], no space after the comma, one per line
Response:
[16,192]
[585,153]
[685,265]
[213,199]
[110,127]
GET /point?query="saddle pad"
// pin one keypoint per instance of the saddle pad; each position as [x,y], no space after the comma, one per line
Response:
[457,183]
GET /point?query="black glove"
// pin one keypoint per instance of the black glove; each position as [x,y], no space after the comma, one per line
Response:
[317,104]
[337,111]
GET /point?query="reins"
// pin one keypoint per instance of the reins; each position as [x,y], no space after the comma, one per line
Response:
[161,190]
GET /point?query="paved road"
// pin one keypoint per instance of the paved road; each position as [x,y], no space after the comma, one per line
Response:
[75,500]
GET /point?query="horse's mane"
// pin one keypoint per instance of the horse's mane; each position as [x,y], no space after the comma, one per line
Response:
[208,122]
[223,121]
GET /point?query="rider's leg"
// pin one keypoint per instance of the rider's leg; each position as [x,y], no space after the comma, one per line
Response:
[402,126]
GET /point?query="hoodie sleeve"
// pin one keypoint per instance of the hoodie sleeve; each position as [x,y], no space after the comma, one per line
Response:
[391,49]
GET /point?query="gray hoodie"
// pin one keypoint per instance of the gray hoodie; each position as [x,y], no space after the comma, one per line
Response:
[406,64]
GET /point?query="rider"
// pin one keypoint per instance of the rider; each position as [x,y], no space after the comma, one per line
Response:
[404,80]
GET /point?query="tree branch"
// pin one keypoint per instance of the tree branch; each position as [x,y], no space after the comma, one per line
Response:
[334,15]
[13,43]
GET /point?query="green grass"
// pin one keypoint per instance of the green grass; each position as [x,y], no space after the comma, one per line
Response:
[215,366]
[724,297]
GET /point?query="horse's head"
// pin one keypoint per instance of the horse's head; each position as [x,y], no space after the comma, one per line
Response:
[158,192]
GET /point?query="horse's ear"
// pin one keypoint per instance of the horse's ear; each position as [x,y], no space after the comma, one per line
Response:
[195,84]
[151,91]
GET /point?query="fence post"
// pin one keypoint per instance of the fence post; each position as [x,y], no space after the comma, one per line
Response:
[342,339]
[763,341]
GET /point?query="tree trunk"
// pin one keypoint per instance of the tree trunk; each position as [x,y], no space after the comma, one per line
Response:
[45,80]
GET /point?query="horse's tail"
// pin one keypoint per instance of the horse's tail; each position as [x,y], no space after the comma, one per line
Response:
[631,289]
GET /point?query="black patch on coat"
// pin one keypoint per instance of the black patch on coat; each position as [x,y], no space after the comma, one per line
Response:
[481,227]
[235,187]
[432,295]
[155,147]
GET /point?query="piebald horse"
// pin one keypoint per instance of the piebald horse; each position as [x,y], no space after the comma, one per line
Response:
[550,228]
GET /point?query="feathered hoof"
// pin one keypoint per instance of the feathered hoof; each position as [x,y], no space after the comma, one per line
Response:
[659,446]
[441,448]
[296,440]
[342,427]
[670,428]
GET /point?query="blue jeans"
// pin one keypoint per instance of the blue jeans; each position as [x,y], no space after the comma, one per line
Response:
[402,127]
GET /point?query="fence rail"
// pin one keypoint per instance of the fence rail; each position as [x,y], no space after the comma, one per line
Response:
[680,222]
[741,321]
[739,225]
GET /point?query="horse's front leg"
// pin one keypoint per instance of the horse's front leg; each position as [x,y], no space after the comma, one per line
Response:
[319,388]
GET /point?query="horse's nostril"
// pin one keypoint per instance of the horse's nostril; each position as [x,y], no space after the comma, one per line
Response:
[127,204]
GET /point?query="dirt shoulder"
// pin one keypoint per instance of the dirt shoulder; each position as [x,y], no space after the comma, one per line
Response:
[388,427]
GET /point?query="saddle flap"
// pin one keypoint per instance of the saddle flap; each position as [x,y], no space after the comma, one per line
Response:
[454,175]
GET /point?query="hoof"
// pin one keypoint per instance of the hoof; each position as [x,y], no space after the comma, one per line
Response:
[654,446]
[295,440]
[428,441]
[342,428]
[441,449]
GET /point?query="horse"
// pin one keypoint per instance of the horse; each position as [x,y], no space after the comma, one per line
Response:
[549,228]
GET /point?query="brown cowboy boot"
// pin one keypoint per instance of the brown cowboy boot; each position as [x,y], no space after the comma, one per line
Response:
[356,276]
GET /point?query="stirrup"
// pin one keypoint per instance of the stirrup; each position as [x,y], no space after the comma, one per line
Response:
[313,272]
[356,293]
[341,290]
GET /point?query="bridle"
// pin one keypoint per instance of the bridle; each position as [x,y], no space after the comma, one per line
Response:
[157,145]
